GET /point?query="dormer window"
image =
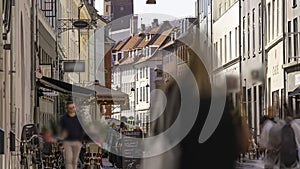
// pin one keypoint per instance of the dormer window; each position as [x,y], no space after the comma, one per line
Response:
[147,51]
[173,36]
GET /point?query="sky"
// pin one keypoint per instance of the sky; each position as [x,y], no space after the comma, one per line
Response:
[175,8]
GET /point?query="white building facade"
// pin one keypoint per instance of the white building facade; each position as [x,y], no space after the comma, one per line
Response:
[225,39]
[291,59]
[274,56]
[252,62]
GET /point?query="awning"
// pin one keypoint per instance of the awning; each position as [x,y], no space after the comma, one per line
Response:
[295,92]
[106,96]
[64,87]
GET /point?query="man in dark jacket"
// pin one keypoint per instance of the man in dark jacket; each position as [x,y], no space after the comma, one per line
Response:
[72,133]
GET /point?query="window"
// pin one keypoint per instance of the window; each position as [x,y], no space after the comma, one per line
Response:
[278,15]
[220,57]
[230,46]
[107,8]
[147,51]
[236,42]
[225,48]
[255,108]
[244,38]
[253,32]
[144,94]
[268,21]
[141,94]
[147,72]
[289,41]
[248,35]
[249,95]
[216,55]
[273,18]
[294,3]
[295,37]
[260,26]
[147,94]
[220,9]
[260,100]
[141,73]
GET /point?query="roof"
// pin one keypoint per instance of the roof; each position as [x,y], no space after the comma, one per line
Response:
[161,39]
[119,45]
[132,42]
[143,43]
[167,44]
[154,30]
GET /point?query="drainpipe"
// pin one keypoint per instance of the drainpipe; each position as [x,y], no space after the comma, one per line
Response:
[79,43]
[284,19]
[12,71]
[264,58]
[2,101]
[34,108]
[240,56]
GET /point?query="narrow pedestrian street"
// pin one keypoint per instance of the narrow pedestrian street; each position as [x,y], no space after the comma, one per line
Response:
[149,84]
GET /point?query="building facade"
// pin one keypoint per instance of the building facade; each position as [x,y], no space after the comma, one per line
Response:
[252,62]
[226,59]
[16,85]
[291,66]
[274,56]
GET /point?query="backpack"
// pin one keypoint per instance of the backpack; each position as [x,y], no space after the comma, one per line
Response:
[288,149]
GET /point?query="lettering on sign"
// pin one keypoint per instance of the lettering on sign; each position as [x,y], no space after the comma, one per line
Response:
[131,146]
[275,70]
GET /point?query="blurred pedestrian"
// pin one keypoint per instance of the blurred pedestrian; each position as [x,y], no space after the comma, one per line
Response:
[123,127]
[72,133]
[271,150]
[220,151]
[48,136]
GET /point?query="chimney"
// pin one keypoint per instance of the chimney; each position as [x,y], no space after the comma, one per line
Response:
[155,23]
[134,25]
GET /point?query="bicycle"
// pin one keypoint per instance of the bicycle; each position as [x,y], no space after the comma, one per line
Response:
[30,153]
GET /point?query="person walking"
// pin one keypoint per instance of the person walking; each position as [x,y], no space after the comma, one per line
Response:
[72,134]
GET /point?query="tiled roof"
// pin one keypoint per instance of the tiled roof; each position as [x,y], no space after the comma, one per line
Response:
[161,39]
[143,43]
[132,42]
[119,45]
[167,44]
[154,30]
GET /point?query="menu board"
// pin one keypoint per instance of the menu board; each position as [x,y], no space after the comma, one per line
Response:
[131,146]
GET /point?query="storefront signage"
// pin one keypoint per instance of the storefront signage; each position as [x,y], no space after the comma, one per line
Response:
[131,146]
